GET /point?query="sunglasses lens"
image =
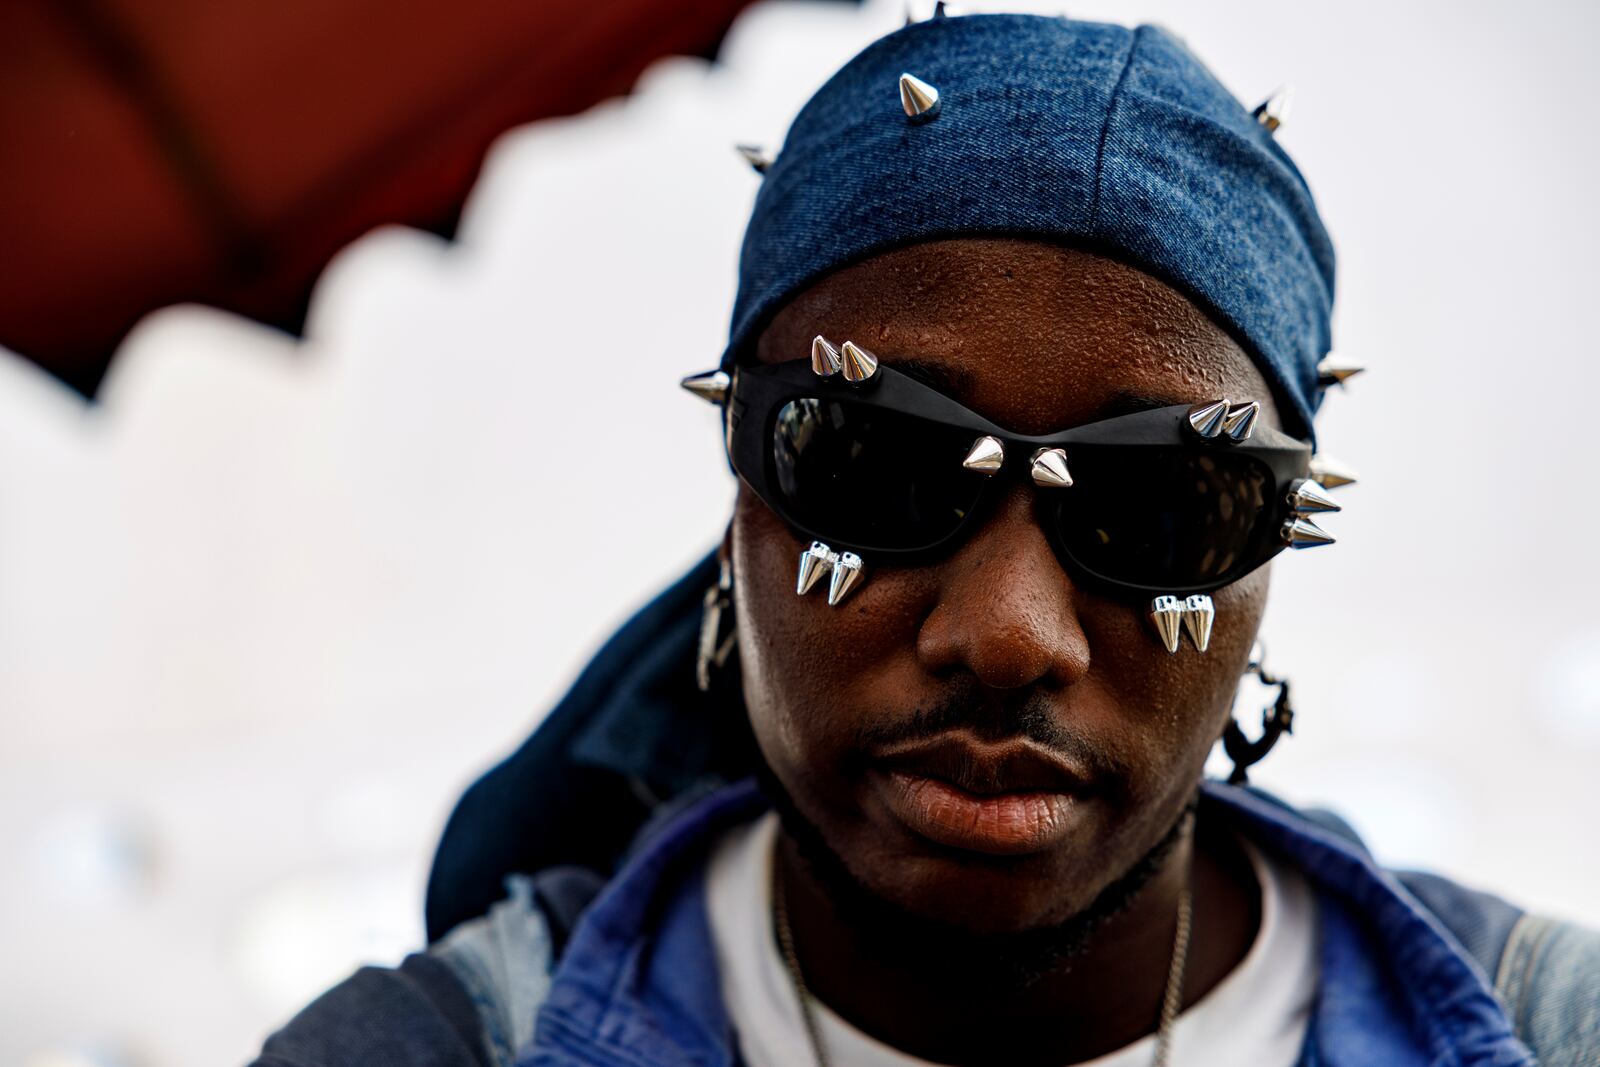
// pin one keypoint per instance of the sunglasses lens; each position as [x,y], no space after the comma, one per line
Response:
[871,477]
[1165,518]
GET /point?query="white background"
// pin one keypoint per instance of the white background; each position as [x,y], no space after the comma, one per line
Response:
[267,608]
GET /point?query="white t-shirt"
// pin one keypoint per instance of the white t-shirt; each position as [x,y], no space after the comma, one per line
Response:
[1257,1014]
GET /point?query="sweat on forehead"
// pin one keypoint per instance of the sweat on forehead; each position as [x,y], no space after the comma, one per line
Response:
[1037,336]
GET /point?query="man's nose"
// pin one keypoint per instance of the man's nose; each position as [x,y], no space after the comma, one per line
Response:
[1006,611]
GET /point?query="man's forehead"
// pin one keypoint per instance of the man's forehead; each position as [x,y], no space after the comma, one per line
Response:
[1037,337]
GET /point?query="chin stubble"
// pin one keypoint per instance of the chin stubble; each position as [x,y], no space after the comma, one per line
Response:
[1003,960]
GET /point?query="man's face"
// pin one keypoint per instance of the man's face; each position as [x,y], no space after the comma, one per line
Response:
[1077,736]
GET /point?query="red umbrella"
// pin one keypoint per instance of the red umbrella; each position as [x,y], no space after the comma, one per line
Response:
[158,151]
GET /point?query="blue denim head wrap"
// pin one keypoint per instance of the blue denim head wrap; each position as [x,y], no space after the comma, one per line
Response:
[1112,139]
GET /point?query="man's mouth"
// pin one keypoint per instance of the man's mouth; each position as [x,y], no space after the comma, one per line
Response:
[1005,800]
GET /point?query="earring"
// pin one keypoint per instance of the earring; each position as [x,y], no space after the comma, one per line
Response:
[1277,719]
[717,630]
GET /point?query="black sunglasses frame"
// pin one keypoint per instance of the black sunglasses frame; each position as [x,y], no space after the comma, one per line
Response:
[758,393]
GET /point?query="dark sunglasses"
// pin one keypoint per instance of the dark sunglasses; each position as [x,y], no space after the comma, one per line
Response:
[1172,501]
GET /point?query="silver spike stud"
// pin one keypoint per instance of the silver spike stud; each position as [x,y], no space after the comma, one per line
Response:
[1306,497]
[1198,615]
[922,11]
[754,155]
[986,456]
[1303,533]
[919,99]
[847,573]
[712,386]
[825,358]
[1048,467]
[1274,110]
[1240,421]
[858,364]
[1331,372]
[1206,419]
[1330,473]
[814,563]
[1167,613]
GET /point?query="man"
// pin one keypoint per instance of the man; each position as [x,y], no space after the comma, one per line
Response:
[1030,332]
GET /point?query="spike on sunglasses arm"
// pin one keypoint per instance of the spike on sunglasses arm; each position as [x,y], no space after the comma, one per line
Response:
[1329,473]
[1306,497]
[1303,533]
[1331,372]
[711,386]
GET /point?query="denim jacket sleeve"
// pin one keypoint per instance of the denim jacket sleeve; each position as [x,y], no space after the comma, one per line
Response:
[504,959]
[469,1001]
[414,1015]
[1549,982]
[1546,973]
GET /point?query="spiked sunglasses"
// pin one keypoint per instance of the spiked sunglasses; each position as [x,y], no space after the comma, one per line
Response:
[868,461]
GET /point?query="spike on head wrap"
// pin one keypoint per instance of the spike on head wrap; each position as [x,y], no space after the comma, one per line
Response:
[1095,135]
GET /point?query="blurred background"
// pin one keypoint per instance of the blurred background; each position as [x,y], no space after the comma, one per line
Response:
[287,562]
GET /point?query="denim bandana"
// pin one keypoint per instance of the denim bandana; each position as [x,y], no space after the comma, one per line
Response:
[1099,136]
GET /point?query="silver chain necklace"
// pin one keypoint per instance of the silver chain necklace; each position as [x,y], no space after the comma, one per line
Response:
[1171,998]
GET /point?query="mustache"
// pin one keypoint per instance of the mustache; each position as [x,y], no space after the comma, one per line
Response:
[1031,715]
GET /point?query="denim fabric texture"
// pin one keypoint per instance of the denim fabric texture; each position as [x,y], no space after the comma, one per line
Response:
[1482,922]
[1549,979]
[1396,988]
[637,985]
[414,1015]
[504,963]
[1108,138]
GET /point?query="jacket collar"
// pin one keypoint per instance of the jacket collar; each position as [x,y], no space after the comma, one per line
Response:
[638,984]
[1395,987]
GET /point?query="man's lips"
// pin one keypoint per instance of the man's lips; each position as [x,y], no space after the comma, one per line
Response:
[1014,766]
[1004,799]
